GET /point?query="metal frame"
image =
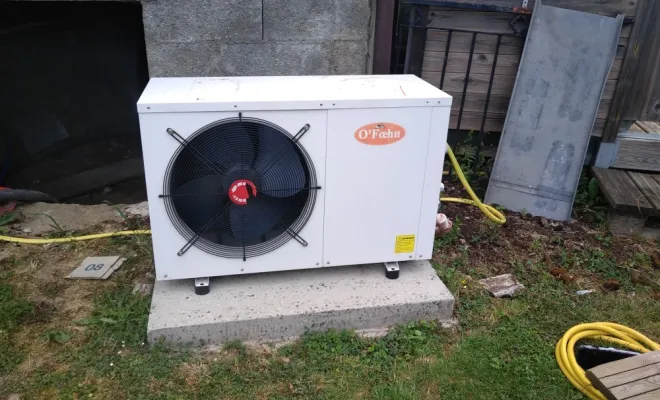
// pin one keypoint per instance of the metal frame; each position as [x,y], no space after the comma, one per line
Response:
[411,14]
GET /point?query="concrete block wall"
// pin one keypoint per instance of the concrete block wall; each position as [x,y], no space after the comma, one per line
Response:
[257,37]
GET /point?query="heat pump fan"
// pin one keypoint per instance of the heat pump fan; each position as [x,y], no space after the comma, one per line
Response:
[239,188]
[260,174]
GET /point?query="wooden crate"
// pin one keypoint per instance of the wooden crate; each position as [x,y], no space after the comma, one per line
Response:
[633,198]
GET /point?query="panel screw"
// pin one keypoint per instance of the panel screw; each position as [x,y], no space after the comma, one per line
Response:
[148,108]
[317,263]
[420,256]
[165,276]
[328,263]
[409,256]
[241,269]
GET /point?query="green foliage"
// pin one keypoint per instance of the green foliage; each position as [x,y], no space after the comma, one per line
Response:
[60,337]
[119,316]
[451,237]
[53,224]
[7,218]
[589,202]
[13,311]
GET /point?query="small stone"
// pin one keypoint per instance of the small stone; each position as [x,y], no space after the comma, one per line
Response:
[14,396]
[144,289]
[544,222]
[655,257]
[557,272]
[502,286]
[27,230]
[557,226]
[583,292]
[561,273]
[656,296]
[612,285]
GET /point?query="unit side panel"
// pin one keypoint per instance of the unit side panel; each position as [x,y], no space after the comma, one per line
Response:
[374,190]
[435,159]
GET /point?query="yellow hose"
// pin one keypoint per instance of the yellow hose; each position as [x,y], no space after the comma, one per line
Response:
[72,238]
[489,211]
[607,331]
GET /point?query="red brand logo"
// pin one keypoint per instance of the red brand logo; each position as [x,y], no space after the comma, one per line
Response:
[380,133]
[239,191]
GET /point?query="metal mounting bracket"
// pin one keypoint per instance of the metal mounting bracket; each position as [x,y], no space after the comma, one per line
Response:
[202,286]
[391,269]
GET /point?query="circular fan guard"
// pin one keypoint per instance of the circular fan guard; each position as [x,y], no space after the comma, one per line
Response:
[211,181]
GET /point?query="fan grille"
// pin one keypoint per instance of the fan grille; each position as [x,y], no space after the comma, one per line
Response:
[239,188]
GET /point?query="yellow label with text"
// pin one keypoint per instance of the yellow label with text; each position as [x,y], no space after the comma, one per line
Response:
[404,244]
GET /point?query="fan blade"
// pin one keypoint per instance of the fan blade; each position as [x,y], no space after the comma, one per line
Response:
[234,146]
[252,221]
[279,165]
[199,200]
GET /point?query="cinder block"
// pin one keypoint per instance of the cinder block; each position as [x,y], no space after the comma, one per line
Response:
[304,20]
[283,305]
[180,59]
[271,59]
[191,21]
[348,57]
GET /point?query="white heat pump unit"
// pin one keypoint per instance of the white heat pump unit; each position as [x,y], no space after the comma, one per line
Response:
[258,174]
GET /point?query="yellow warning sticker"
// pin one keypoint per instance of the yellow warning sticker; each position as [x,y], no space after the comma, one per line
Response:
[404,244]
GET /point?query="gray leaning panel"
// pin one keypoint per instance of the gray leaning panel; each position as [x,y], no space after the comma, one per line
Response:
[563,70]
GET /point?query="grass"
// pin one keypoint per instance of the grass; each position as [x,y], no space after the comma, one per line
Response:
[500,349]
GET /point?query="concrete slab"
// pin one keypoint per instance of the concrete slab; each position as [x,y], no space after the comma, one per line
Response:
[281,306]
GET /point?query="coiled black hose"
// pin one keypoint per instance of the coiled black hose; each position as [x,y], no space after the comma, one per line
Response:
[27,196]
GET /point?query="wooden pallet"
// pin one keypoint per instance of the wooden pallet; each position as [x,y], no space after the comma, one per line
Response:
[635,378]
[633,198]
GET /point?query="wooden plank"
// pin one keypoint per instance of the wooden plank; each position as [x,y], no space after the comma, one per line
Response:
[636,128]
[481,21]
[639,154]
[621,192]
[499,104]
[636,387]
[632,375]
[649,185]
[654,395]
[471,121]
[483,63]
[603,7]
[623,94]
[644,97]
[478,83]
[88,181]
[649,126]
[628,377]
[462,41]
[491,22]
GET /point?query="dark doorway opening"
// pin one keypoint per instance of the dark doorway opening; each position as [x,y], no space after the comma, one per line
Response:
[70,76]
